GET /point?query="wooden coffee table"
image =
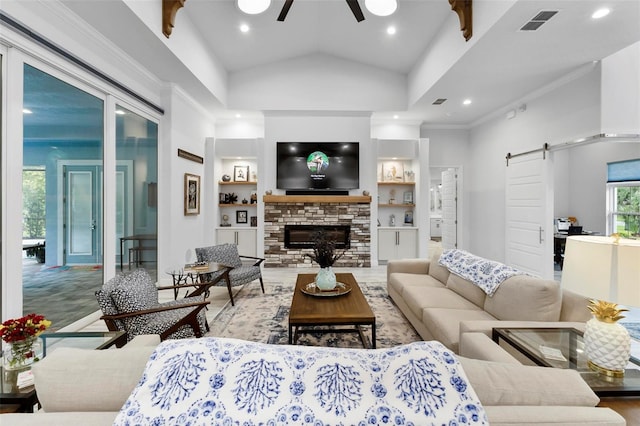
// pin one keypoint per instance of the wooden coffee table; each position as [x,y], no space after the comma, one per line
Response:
[308,313]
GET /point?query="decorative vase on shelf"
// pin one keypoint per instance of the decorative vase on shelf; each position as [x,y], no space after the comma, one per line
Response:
[22,353]
[326,279]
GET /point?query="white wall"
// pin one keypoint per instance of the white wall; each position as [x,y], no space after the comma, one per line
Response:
[185,126]
[564,113]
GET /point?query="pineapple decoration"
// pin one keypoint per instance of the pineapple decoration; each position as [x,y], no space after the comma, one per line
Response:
[607,343]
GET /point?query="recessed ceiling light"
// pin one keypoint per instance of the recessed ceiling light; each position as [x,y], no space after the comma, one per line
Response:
[244,28]
[238,116]
[27,111]
[120,112]
[466,102]
[600,13]
[395,117]
[391,30]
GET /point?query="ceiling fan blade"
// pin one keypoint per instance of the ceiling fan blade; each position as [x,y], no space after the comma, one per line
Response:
[285,10]
[355,8]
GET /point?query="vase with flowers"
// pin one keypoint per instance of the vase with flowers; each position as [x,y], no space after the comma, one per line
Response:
[21,345]
[324,254]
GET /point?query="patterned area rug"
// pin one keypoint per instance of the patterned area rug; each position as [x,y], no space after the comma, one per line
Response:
[264,318]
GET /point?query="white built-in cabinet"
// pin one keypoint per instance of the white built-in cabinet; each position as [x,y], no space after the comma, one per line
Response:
[245,239]
[396,209]
[397,243]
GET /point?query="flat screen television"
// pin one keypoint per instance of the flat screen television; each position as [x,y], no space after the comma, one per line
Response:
[318,166]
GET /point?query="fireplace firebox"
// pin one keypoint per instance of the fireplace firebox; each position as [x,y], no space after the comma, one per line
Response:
[301,236]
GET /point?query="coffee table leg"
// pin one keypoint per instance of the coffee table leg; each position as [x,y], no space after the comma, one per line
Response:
[290,334]
[373,335]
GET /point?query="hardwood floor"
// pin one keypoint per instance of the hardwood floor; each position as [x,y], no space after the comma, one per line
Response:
[627,407]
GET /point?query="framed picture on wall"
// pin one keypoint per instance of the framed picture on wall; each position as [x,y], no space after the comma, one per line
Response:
[240,173]
[241,216]
[191,194]
[392,171]
[254,220]
[408,218]
[408,197]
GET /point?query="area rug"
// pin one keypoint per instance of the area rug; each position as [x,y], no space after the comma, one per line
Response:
[264,318]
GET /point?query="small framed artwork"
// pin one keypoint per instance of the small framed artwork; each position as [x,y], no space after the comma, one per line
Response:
[241,173]
[224,198]
[241,216]
[392,171]
[408,217]
[408,197]
[191,194]
[254,220]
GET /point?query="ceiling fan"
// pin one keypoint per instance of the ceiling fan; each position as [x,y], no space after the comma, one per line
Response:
[353,5]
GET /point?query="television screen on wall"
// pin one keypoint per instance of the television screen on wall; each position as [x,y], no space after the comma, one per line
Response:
[318,165]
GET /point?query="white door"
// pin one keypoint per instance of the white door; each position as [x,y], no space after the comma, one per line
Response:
[449,209]
[407,244]
[82,215]
[386,244]
[529,214]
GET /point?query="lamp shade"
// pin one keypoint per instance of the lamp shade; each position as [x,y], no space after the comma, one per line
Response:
[381,7]
[599,268]
[253,7]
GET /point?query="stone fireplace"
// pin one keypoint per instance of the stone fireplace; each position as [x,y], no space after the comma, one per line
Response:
[347,218]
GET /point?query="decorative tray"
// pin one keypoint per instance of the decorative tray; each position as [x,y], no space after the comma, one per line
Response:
[312,290]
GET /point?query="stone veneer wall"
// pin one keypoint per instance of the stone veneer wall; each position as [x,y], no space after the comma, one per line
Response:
[277,215]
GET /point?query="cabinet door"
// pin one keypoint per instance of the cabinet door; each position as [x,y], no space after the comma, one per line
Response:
[246,240]
[407,244]
[386,244]
[226,236]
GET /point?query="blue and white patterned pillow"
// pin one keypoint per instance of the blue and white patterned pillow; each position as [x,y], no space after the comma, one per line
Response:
[216,381]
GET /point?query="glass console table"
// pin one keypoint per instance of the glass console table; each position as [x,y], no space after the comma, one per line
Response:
[564,348]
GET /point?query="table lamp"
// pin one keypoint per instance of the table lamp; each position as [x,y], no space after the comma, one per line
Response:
[606,270]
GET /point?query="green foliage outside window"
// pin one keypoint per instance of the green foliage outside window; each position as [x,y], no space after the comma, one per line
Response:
[33,204]
[627,211]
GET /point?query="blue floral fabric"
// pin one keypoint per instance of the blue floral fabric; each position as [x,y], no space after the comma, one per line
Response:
[218,381]
[486,274]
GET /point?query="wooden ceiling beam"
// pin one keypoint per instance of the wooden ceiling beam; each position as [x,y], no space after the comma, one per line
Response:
[464,10]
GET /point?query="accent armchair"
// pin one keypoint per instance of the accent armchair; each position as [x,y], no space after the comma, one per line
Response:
[129,303]
[227,254]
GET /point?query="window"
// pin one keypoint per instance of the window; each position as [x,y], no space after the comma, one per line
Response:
[623,198]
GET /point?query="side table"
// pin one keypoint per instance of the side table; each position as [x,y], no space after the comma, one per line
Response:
[17,400]
[564,348]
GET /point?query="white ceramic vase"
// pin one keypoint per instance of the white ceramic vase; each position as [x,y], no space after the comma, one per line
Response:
[326,279]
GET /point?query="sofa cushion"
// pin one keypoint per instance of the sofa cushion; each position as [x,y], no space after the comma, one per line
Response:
[400,280]
[110,374]
[466,289]
[513,384]
[228,381]
[418,298]
[444,324]
[436,270]
[518,415]
[575,307]
[525,298]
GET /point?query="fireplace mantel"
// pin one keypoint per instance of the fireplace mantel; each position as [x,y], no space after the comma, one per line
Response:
[355,199]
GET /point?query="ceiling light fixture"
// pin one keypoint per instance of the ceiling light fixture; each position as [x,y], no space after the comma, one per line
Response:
[253,7]
[466,102]
[395,117]
[600,13]
[381,7]
[238,116]
[27,111]
[120,112]
[244,28]
[391,30]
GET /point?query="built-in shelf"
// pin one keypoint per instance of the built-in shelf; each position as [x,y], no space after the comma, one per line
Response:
[238,183]
[396,205]
[360,199]
[238,205]
[397,183]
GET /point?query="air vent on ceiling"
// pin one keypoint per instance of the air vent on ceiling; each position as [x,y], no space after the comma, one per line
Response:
[537,21]
[439,101]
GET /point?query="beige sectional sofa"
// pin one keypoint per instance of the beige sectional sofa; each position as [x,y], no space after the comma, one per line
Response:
[88,387]
[445,307]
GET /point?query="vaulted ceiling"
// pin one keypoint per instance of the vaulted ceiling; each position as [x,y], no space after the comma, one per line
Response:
[496,68]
